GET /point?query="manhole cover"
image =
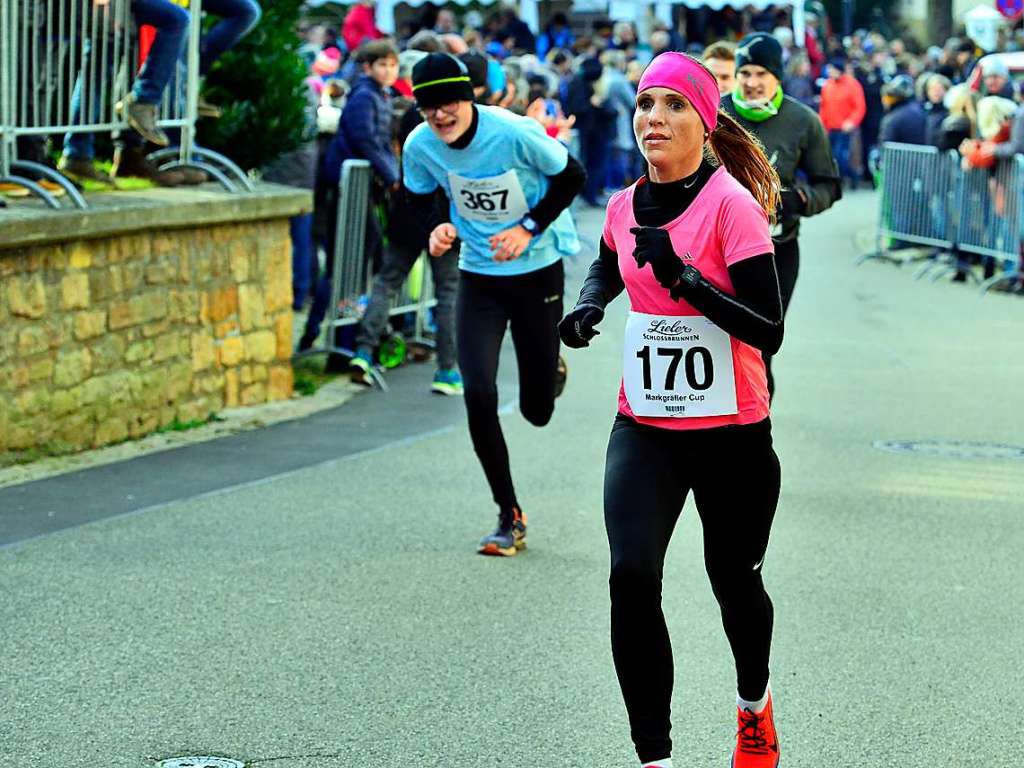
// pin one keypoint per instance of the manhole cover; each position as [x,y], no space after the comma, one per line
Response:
[201,762]
[952,450]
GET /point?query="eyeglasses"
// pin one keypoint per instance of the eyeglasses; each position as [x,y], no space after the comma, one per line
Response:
[448,109]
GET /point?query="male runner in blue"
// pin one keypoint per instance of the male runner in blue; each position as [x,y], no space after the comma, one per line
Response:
[509,187]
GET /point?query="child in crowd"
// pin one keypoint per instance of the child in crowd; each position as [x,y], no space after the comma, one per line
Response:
[364,133]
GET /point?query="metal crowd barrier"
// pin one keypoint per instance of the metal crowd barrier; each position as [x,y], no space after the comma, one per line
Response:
[52,50]
[991,222]
[916,198]
[352,278]
[927,199]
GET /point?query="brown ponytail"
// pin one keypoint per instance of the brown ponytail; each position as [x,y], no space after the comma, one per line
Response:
[743,157]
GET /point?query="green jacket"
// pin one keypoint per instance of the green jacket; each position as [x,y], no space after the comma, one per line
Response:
[795,140]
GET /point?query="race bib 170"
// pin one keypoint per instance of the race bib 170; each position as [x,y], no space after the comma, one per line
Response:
[678,367]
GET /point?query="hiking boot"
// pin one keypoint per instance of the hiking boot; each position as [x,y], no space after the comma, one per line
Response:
[142,118]
[447,381]
[508,538]
[130,161]
[10,189]
[193,175]
[359,368]
[79,169]
[206,109]
[561,374]
[757,745]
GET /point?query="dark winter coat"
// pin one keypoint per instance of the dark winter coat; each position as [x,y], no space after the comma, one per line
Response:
[364,133]
[905,123]
[871,80]
[955,129]
[801,89]
[796,144]
[522,36]
[592,123]
[934,114]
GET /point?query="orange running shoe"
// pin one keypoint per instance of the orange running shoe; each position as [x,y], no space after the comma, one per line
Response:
[509,538]
[757,745]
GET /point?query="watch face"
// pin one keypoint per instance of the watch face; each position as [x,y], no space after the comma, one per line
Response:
[530,225]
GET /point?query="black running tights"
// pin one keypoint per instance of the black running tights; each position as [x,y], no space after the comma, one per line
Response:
[734,475]
[531,305]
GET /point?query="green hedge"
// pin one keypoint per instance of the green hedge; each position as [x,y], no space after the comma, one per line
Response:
[259,85]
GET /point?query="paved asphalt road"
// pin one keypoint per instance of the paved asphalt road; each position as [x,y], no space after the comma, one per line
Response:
[336,615]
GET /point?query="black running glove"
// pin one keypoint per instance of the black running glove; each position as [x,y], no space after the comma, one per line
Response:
[577,327]
[654,247]
[791,205]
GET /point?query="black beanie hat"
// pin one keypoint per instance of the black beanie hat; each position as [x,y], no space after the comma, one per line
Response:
[762,50]
[476,65]
[440,78]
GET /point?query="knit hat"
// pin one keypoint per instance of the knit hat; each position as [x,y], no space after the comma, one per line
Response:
[762,50]
[440,78]
[993,66]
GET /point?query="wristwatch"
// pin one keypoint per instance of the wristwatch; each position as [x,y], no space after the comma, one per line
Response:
[529,225]
[690,275]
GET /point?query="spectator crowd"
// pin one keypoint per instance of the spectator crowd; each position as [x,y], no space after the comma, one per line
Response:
[579,82]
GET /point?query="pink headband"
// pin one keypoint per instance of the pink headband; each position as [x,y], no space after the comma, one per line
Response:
[687,76]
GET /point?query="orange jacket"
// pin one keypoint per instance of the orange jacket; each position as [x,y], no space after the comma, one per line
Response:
[974,157]
[842,101]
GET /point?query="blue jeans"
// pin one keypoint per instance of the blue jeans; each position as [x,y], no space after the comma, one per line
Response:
[237,18]
[171,22]
[840,141]
[303,256]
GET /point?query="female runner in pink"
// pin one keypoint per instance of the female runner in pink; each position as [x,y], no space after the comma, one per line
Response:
[690,244]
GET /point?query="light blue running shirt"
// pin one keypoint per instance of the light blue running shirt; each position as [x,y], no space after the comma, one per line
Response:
[491,184]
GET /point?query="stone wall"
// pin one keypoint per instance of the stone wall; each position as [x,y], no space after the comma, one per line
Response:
[109,338]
